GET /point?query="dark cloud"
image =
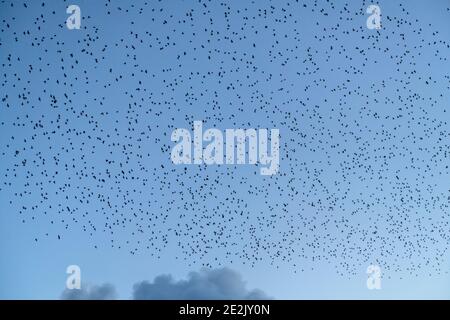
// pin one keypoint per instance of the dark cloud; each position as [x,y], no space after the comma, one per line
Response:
[103,292]
[213,284]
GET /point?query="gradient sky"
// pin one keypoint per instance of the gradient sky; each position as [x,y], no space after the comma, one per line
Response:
[152,40]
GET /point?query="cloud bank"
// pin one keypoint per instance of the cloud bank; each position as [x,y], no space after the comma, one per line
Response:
[216,284]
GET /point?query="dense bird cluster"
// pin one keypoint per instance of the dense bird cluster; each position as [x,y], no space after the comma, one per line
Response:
[87,115]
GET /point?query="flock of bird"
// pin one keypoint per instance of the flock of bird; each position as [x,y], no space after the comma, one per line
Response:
[87,115]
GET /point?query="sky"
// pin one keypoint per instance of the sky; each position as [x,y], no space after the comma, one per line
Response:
[86,118]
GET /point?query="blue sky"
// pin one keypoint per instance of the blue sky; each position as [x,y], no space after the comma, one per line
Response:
[353,107]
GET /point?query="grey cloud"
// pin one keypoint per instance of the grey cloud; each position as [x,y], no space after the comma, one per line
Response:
[216,284]
[103,292]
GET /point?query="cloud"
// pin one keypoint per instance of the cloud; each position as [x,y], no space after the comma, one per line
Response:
[216,284]
[103,292]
